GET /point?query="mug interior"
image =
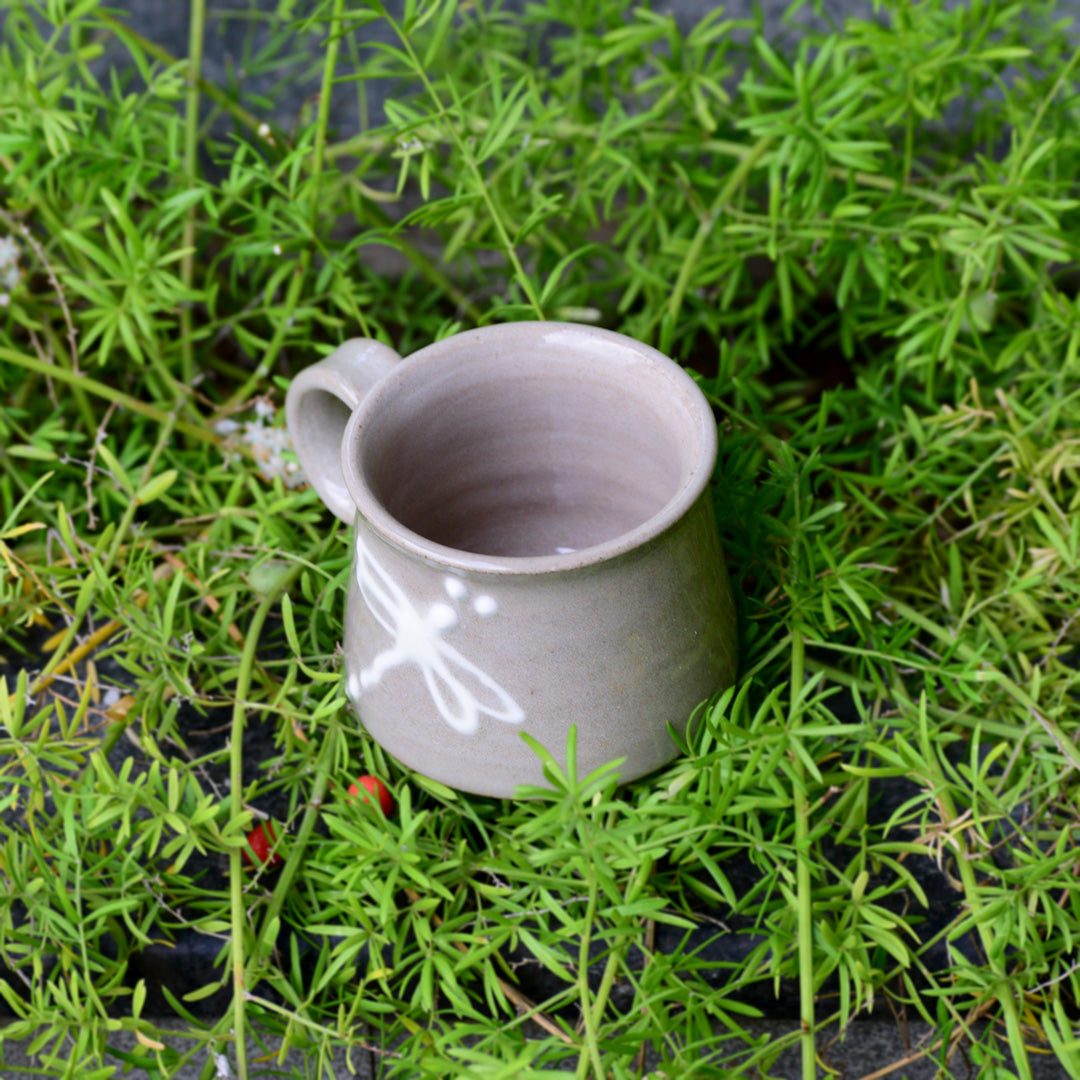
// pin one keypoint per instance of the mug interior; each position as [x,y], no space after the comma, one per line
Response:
[542,450]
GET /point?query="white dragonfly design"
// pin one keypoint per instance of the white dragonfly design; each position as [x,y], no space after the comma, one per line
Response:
[460,690]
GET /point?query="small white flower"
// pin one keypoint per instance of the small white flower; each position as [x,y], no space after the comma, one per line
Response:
[221,1064]
[270,445]
[264,131]
[277,249]
[10,274]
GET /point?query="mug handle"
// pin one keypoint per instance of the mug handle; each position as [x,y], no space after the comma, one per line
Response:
[318,406]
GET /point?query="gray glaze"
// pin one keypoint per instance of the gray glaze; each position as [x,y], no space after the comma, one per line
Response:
[534,547]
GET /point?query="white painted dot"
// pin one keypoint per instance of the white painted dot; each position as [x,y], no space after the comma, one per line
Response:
[455,587]
[442,616]
[485,605]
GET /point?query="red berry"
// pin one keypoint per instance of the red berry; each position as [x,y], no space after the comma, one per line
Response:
[261,840]
[374,786]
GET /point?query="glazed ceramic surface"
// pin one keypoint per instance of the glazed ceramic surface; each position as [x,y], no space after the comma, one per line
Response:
[534,547]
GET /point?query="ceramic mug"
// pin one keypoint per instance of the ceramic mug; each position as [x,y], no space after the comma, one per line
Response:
[534,547]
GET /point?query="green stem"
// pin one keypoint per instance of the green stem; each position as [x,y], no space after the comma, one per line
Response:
[60,653]
[292,298]
[803,884]
[995,676]
[482,185]
[594,1015]
[973,896]
[1032,127]
[191,166]
[296,284]
[147,474]
[237,907]
[118,727]
[70,356]
[734,181]
[299,843]
[326,153]
[659,140]
[219,97]
[99,389]
[330,152]
[323,118]
[294,1017]
[427,267]
[81,400]
[589,1016]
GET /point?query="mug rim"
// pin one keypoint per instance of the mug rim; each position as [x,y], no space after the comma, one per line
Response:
[390,530]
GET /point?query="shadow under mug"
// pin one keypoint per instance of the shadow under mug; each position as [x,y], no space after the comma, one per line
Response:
[534,547]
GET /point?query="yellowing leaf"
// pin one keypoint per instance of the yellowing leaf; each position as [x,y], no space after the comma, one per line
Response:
[150,1044]
[20,530]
